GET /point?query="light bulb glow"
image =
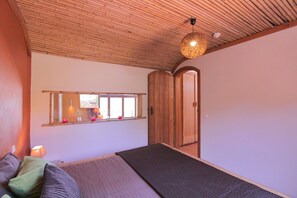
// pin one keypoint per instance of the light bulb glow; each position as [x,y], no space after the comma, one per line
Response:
[193,43]
[37,147]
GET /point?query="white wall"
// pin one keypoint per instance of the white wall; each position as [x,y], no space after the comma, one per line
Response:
[75,142]
[249,93]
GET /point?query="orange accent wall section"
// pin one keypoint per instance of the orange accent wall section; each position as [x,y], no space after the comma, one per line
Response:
[15,74]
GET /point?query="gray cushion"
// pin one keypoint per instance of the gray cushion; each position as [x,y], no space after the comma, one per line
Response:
[57,183]
[9,167]
[5,191]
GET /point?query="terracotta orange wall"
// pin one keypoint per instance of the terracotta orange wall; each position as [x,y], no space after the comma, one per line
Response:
[15,69]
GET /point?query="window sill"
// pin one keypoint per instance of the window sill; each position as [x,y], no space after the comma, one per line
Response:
[91,122]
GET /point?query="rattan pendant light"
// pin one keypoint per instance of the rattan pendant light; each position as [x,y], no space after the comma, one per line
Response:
[193,44]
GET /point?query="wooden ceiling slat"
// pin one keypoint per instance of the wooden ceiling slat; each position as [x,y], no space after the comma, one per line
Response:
[238,9]
[66,22]
[103,45]
[261,15]
[288,9]
[235,22]
[228,22]
[143,33]
[93,25]
[293,6]
[102,33]
[203,23]
[234,11]
[278,10]
[277,20]
[53,43]
[252,16]
[238,20]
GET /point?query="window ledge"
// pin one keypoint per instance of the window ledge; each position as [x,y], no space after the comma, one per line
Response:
[91,122]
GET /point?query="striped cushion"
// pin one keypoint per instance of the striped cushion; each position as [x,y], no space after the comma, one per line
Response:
[4,191]
[57,183]
[9,167]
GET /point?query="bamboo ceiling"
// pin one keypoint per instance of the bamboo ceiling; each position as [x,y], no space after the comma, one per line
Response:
[143,33]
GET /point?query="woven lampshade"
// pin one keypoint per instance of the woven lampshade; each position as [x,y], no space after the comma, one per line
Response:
[193,45]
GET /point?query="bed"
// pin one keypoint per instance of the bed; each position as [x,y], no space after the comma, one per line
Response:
[159,171]
[151,171]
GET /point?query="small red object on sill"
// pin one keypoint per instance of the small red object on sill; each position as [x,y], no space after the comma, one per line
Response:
[93,118]
[120,117]
[64,120]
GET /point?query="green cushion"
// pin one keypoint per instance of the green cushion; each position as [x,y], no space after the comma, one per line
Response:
[28,182]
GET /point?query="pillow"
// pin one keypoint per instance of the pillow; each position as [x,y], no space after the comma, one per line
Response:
[57,183]
[9,166]
[6,196]
[28,183]
[4,192]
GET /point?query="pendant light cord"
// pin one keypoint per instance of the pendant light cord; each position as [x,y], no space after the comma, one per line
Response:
[193,22]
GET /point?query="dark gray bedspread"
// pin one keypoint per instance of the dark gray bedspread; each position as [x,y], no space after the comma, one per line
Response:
[173,174]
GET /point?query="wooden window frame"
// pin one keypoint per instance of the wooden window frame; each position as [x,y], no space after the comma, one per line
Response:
[137,109]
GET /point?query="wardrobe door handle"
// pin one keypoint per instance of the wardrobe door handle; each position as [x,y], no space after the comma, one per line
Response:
[151,111]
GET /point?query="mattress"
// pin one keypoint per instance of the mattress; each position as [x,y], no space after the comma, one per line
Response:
[159,171]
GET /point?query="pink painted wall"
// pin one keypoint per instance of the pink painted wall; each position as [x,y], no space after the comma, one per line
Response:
[75,142]
[249,109]
[14,85]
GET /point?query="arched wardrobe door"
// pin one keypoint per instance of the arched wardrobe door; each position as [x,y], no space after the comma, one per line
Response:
[160,108]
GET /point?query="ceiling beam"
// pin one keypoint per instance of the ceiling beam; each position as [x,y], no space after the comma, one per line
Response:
[242,40]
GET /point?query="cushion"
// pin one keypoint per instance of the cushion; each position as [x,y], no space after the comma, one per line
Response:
[4,192]
[57,183]
[6,196]
[9,166]
[28,182]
